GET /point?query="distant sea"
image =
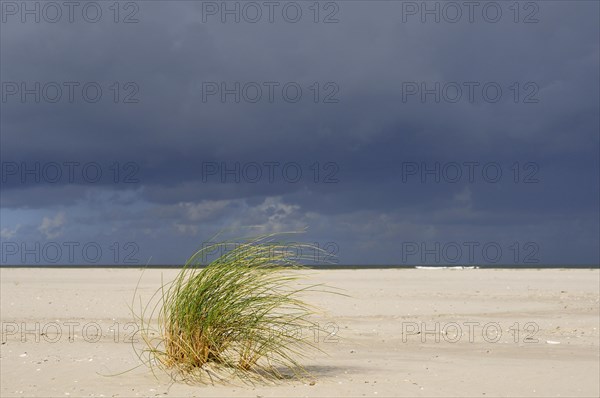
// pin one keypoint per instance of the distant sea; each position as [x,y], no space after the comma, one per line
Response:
[335,266]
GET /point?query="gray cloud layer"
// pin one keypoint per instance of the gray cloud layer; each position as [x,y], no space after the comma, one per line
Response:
[366,143]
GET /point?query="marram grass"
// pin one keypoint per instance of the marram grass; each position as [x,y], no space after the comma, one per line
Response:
[242,315]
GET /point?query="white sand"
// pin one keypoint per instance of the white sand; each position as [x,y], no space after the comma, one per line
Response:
[374,358]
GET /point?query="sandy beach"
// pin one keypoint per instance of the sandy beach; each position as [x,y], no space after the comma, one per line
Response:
[404,332]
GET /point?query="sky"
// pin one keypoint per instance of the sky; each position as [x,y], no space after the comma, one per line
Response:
[398,133]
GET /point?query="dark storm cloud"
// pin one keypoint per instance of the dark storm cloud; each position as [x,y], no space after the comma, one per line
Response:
[373,135]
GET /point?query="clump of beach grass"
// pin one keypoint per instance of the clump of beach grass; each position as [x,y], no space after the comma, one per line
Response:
[241,315]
